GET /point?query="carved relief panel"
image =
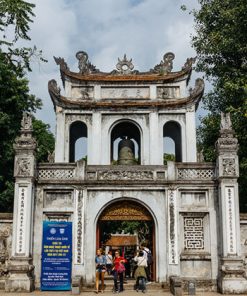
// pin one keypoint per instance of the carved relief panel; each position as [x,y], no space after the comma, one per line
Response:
[126,211]
[173,226]
[58,199]
[82,92]
[195,229]
[125,92]
[229,166]
[23,167]
[168,92]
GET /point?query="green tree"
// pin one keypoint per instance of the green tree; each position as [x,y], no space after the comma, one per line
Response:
[221,45]
[44,138]
[15,16]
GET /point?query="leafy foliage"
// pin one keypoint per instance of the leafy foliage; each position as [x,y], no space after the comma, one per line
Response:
[142,228]
[44,138]
[15,16]
[221,45]
[14,99]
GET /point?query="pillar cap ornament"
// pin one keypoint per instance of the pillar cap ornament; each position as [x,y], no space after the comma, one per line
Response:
[25,140]
[227,142]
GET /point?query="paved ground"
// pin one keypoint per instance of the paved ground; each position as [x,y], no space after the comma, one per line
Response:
[125,293]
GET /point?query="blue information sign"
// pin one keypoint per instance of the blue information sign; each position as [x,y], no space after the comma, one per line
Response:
[56,256]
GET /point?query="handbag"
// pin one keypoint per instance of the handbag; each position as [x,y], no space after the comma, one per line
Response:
[121,268]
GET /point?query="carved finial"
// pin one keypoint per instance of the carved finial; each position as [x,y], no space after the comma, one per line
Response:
[25,140]
[166,65]
[198,89]
[82,57]
[51,157]
[61,62]
[124,66]
[188,64]
[26,122]
[84,65]
[225,122]
[227,141]
[53,88]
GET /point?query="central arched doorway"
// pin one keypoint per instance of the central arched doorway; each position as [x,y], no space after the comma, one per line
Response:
[126,225]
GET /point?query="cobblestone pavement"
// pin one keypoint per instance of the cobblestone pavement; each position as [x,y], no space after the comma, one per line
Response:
[125,293]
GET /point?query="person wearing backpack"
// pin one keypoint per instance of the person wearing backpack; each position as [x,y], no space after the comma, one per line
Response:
[140,272]
[148,256]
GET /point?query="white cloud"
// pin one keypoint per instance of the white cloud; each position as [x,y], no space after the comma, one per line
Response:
[107,29]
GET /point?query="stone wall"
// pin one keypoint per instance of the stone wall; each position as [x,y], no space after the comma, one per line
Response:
[243,227]
[6,220]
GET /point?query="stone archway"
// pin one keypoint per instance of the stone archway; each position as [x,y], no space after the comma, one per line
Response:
[124,211]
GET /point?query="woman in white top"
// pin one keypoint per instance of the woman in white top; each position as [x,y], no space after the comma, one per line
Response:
[140,273]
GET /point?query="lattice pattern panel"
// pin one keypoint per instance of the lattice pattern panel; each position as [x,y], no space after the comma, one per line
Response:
[56,174]
[193,233]
[192,174]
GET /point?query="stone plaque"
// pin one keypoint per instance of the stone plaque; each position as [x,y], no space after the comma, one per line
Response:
[230,220]
[58,199]
[125,93]
[21,220]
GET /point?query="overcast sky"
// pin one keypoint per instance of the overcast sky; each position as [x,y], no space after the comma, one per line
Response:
[106,30]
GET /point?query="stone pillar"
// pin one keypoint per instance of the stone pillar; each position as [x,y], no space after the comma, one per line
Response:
[191,153]
[231,274]
[60,136]
[155,155]
[94,155]
[20,266]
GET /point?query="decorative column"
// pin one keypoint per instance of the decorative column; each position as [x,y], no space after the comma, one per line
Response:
[173,226]
[231,276]
[191,155]
[155,155]
[20,266]
[60,155]
[94,155]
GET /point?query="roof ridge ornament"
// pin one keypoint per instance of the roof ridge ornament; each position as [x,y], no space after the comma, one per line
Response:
[166,65]
[84,65]
[198,89]
[188,64]
[61,62]
[54,88]
[124,66]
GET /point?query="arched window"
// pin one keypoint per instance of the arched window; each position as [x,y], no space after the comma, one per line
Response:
[125,130]
[77,141]
[172,144]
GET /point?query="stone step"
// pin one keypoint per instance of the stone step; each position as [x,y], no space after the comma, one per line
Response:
[129,286]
